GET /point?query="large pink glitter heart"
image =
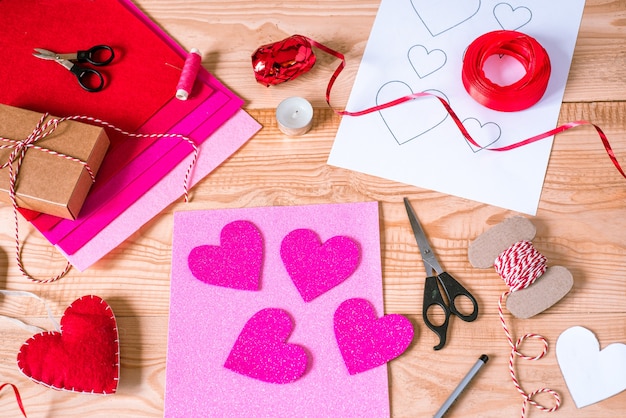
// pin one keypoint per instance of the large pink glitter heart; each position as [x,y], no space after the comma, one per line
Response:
[366,341]
[315,268]
[261,351]
[235,263]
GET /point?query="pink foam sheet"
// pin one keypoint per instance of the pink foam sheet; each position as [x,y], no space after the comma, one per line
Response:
[216,332]
[221,144]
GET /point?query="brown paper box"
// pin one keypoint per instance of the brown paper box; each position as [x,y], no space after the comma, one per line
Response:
[49,183]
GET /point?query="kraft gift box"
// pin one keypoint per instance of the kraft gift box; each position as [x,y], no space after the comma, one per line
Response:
[47,182]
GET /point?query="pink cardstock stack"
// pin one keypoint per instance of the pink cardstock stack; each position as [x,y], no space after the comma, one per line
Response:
[139,177]
[258,328]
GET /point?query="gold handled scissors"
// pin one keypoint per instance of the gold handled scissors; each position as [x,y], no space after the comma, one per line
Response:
[437,277]
[88,78]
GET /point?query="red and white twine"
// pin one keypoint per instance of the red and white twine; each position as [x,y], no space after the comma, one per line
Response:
[519,266]
[42,130]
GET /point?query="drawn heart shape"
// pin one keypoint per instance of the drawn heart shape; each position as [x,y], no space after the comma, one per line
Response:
[316,267]
[366,341]
[485,134]
[83,357]
[235,263]
[510,18]
[426,62]
[261,350]
[426,113]
[443,15]
[591,374]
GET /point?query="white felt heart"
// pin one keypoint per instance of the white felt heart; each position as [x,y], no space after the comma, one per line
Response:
[591,374]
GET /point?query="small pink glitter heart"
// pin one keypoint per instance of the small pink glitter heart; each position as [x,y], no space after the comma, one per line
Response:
[366,341]
[261,351]
[235,263]
[315,268]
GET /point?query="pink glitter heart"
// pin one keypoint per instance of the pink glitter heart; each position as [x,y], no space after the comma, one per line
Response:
[261,352]
[366,341]
[235,263]
[315,268]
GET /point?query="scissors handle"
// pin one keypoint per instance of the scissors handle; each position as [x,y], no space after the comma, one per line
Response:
[88,78]
[433,296]
[454,290]
[98,55]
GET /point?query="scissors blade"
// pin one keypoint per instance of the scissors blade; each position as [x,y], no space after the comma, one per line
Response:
[44,54]
[428,256]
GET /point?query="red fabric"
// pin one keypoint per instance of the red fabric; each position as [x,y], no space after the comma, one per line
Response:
[139,81]
[83,357]
[141,78]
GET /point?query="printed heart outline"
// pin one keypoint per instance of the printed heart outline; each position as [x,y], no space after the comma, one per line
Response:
[262,352]
[477,138]
[235,263]
[83,357]
[367,341]
[315,267]
[504,12]
[587,368]
[449,8]
[400,140]
[437,58]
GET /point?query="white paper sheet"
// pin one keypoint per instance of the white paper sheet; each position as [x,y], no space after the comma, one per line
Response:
[418,45]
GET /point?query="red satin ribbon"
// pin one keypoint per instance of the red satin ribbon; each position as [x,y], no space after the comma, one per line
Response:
[523,48]
[517,96]
[18,398]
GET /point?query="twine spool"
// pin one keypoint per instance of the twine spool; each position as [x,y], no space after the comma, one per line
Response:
[519,266]
[188,75]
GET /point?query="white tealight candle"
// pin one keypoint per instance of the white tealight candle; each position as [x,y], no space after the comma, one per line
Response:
[294,116]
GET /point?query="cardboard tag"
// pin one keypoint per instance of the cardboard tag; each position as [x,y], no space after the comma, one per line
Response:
[547,290]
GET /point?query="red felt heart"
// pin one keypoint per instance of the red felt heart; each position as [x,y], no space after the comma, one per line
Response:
[83,357]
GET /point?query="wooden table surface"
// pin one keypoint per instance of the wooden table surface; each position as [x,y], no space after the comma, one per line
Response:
[581,222]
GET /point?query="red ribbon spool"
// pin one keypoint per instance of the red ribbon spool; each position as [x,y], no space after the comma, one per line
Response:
[283,60]
[520,95]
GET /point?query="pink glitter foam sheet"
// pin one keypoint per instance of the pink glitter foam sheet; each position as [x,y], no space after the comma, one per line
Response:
[261,344]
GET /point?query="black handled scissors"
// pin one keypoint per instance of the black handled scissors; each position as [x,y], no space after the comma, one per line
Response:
[437,277]
[88,78]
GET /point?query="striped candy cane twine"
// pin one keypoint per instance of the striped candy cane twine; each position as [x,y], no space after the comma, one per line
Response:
[42,130]
[519,266]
